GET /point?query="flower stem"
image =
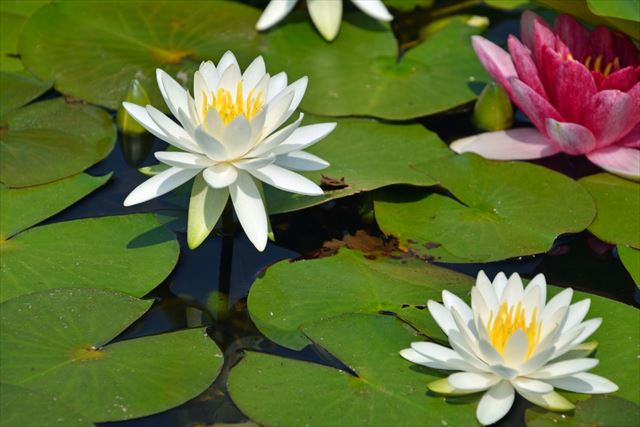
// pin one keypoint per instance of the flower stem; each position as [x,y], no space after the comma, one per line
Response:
[226,254]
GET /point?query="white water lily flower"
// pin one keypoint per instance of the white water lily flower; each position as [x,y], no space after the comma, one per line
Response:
[509,340]
[325,14]
[229,140]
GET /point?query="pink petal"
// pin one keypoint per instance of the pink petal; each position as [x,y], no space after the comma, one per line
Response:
[623,79]
[609,115]
[602,44]
[574,35]
[571,86]
[495,60]
[527,28]
[512,144]
[526,68]
[542,37]
[632,139]
[572,138]
[535,107]
[618,160]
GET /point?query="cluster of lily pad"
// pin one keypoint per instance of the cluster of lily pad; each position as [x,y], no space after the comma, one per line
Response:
[69,289]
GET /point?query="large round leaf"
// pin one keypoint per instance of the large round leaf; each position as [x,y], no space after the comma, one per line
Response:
[13,15]
[383,390]
[23,207]
[503,210]
[129,253]
[360,73]
[18,89]
[630,257]
[57,342]
[115,42]
[364,155]
[292,295]
[623,9]
[27,408]
[598,411]
[49,140]
[618,205]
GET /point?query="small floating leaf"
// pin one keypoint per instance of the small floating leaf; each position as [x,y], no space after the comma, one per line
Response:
[59,342]
[50,140]
[128,253]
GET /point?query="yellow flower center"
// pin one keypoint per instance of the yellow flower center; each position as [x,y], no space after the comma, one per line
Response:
[507,321]
[230,107]
[596,64]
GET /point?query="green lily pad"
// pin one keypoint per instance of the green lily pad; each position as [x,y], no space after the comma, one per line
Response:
[618,206]
[364,155]
[128,253]
[58,342]
[27,408]
[23,207]
[384,389]
[507,4]
[19,89]
[623,9]
[359,73]
[599,411]
[630,257]
[13,15]
[503,210]
[292,295]
[50,140]
[408,5]
[116,42]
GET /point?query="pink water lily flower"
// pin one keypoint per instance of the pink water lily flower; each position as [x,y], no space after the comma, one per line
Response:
[580,89]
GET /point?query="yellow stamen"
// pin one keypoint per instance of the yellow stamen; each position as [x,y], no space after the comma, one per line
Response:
[569,57]
[597,64]
[587,61]
[230,107]
[607,69]
[507,321]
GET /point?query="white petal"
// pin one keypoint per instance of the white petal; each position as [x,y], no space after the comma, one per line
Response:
[532,386]
[489,354]
[467,331]
[257,126]
[326,16]
[230,79]
[480,308]
[276,85]
[504,371]
[174,94]
[210,74]
[275,12]
[176,135]
[250,210]
[577,313]
[560,300]
[564,368]
[590,326]
[141,116]
[514,291]
[252,75]
[470,355]
[226,61]
[487,291]
[213,124]
[443,387]
[552,325]
[304,136]
[552,401]
[205,207]
[255,163]
[535,296]
[374,8]
[210,146]
[538,359]
[564,342]
[442,316]
[183,160]
[446,357]
[471,381]
[585,382]
[236,137]
[276,139]
[299,88]
[420,359]
[512,144]
[160,184]
[452,301]
[301,161]
[220,175]
[495,403]
[499,283]
[516,348]
[276,112]
[202,93]
[286,180]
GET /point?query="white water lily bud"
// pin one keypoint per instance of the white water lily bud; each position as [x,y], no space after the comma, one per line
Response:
[137,95]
